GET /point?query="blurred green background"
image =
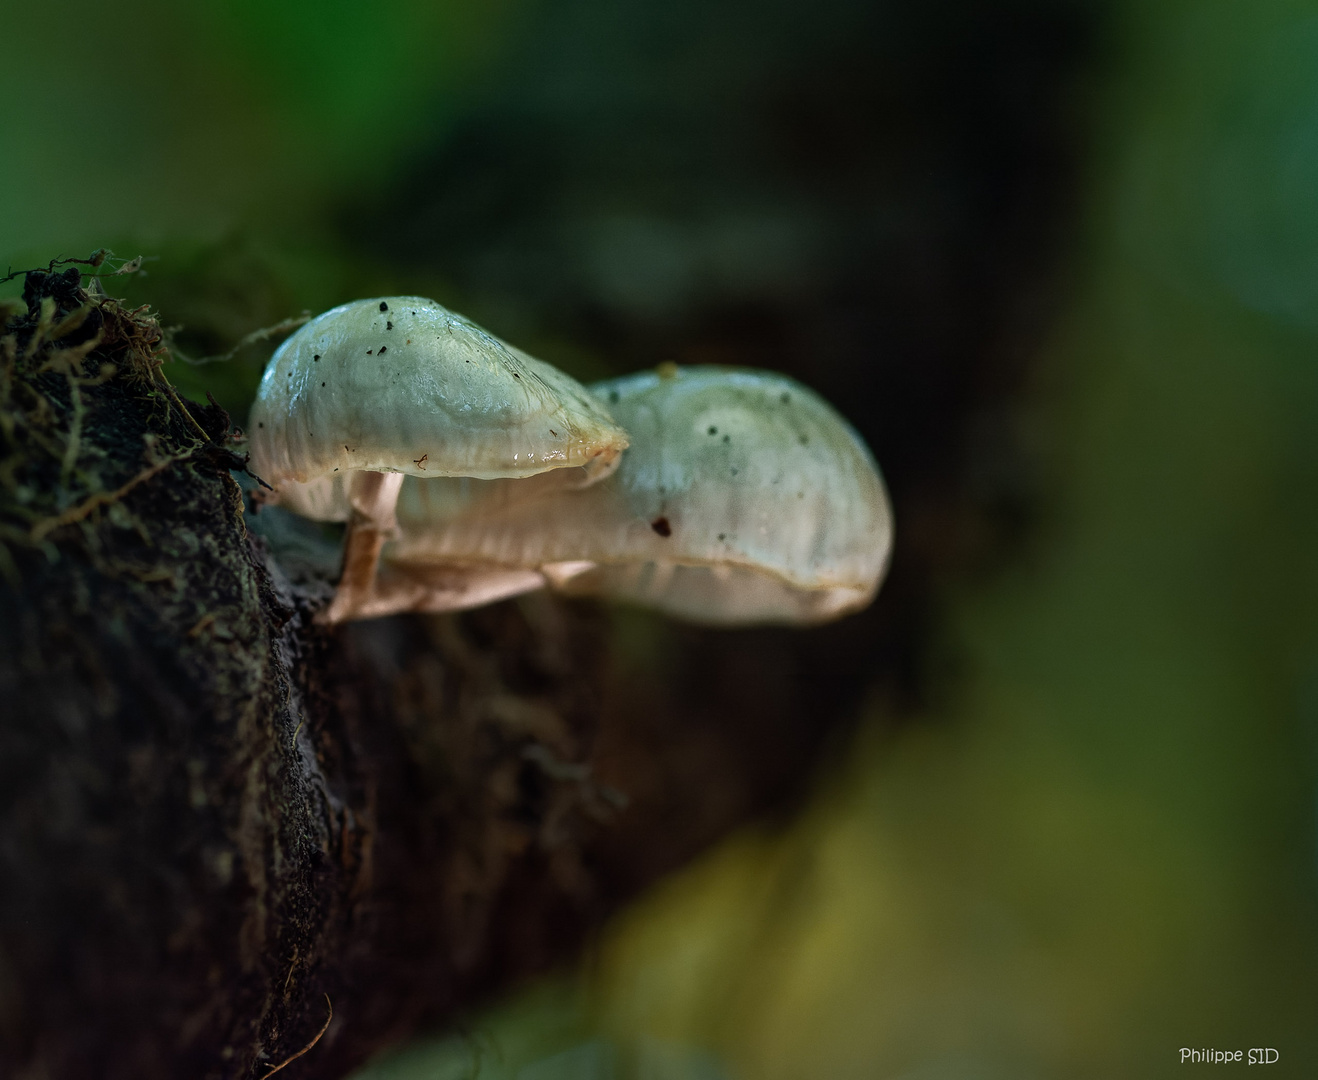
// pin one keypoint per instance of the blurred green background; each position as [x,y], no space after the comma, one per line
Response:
[1057,261]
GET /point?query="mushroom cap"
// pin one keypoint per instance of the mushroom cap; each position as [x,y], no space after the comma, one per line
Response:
[744,497]
[402,384]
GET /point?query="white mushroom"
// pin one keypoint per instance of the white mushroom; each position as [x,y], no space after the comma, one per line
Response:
[743,498]
[379,389]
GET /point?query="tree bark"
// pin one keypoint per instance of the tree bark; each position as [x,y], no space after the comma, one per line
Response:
[218,820]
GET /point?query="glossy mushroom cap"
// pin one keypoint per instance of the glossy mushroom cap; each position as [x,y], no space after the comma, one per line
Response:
[744,498]
[403,385]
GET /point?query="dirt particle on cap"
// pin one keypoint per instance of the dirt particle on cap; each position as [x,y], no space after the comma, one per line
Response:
[662,527]
[384,306]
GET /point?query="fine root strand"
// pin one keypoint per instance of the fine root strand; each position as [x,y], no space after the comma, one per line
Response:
[324,1028]
[74,514]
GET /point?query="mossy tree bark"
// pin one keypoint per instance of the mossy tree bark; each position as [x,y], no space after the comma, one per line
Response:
[217,819]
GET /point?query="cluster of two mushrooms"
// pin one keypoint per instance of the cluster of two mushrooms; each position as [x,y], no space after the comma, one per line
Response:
[468,472]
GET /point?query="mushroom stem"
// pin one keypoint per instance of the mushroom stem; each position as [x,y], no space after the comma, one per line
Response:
[373,496]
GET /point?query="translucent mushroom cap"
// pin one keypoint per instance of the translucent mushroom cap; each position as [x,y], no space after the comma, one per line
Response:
[401,384]
[743,498]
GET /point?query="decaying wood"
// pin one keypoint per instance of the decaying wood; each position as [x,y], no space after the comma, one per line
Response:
[215,814]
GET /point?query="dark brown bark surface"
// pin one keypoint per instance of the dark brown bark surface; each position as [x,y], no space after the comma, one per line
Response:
[218,819]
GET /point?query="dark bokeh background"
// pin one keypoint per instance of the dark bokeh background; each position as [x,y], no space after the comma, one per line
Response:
[1051,809]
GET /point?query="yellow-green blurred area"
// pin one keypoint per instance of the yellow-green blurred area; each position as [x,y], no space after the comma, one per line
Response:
[1058,262]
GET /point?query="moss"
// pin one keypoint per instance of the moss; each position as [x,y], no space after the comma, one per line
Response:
[75,370]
